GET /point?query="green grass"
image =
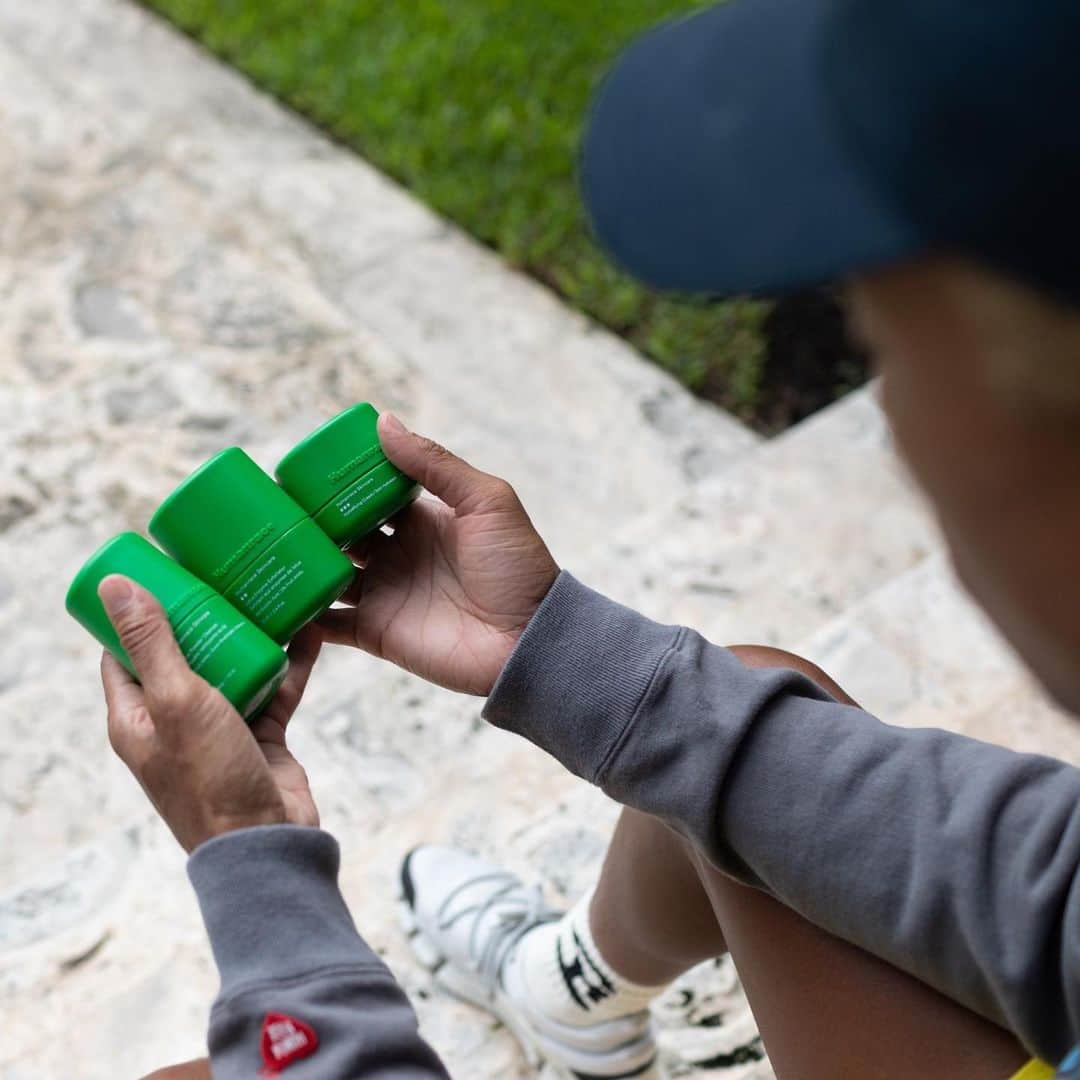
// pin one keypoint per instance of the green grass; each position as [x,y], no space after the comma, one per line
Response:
[477,106]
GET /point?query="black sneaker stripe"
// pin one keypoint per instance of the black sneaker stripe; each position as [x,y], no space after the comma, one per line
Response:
[569,971]
[605,982]
[407,886]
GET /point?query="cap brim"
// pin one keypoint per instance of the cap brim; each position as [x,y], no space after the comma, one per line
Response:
[711,161]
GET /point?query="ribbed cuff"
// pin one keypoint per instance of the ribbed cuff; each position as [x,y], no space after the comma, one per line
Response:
[270,901]
[578,674]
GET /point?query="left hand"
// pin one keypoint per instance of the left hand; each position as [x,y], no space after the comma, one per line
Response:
[449,594]
[203,768]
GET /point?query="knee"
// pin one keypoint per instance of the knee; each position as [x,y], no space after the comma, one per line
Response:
[764,656]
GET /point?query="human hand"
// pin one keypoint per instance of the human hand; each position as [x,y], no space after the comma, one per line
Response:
[203,768]
[449,593]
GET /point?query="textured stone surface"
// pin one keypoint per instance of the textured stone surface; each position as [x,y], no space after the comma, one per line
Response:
[769,550]
[184,265]
[915,652]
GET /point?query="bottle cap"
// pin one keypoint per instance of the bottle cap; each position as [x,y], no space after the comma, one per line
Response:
[219,643]
[136,558]
[341,477]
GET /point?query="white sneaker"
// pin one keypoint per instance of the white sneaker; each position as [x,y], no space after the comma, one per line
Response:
[465,918]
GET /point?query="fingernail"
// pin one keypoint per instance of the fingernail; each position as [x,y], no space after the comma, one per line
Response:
[116,593]
[392,424]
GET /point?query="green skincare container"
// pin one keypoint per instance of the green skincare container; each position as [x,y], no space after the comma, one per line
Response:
[217,641]
[233,527]
[341,477]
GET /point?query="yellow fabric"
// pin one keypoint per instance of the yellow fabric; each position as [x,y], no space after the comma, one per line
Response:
[1034,1070]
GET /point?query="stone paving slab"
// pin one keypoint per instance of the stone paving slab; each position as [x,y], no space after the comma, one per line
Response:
[767,551]
[197,212]
[917,652]
[183,266]
[152,317]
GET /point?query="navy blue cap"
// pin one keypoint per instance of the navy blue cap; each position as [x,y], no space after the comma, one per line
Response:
[766,145]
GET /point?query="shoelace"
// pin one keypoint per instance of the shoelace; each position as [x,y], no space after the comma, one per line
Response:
[521,909]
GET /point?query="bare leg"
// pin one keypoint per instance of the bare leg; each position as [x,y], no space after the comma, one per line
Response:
[650,916]
[825,1008]
[651,927]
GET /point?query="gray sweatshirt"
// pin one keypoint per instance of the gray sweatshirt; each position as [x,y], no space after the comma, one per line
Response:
[950,858]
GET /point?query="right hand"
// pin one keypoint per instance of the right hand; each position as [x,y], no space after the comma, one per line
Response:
[448,595]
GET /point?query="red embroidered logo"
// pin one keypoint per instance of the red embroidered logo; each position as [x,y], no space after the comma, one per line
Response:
[285,1040]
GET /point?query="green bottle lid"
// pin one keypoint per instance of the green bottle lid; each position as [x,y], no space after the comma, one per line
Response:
[220,644]
[129,554]
[341,477]
[232,526]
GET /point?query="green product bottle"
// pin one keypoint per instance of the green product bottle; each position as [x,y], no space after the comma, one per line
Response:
[217,641]
[233,527]
[341,477]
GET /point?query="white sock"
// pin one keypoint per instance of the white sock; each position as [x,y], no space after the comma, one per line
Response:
[565,976]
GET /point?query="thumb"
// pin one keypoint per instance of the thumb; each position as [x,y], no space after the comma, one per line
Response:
[444,474]
[144,632]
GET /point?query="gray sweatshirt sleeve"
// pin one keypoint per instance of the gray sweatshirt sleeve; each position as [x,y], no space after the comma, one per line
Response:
[952,859]
[300,990]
